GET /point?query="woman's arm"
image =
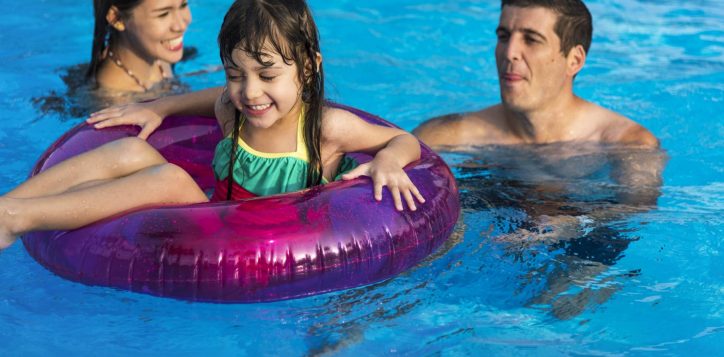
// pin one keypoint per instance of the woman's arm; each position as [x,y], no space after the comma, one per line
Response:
[150,115]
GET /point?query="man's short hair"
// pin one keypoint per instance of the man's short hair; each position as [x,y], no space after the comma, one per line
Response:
[574,25]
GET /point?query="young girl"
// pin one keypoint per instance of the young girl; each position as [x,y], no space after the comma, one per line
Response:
[136,41]
[280,137]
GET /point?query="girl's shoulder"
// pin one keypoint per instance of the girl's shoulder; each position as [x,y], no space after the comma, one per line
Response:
[338,120]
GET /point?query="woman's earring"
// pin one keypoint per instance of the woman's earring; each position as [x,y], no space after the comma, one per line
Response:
[119,26]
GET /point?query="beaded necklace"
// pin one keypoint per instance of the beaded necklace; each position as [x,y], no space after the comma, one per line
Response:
[120,65]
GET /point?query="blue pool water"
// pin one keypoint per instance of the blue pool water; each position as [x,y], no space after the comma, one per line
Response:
[650,281]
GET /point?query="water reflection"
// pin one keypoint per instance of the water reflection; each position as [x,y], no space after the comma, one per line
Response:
[573,204]
[82,98]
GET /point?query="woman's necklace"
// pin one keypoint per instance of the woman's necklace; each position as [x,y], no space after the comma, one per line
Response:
[120,65]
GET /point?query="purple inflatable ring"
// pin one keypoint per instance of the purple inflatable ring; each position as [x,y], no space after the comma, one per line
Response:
[270,248]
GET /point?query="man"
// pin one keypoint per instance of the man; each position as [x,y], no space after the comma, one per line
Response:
[542,45]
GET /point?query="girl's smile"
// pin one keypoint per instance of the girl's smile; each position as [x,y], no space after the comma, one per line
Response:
[256,110]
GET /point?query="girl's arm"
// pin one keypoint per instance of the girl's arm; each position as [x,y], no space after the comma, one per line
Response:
[393,149]
[149,115]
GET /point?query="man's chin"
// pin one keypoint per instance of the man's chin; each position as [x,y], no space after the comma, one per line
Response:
[515,104]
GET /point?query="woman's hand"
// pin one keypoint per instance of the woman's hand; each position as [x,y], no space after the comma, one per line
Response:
[148,116]
[387,172]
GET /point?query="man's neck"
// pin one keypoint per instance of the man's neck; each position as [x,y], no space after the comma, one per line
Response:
[550,123]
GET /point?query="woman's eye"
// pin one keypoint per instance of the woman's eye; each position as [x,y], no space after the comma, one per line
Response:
[267,78]
[185,4]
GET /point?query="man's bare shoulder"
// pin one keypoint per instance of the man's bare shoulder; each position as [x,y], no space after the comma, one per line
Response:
[461,129]
[618,129]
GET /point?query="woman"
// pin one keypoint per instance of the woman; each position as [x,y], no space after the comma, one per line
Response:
[135,42]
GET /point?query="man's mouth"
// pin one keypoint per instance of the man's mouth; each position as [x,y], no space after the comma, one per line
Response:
[512,77]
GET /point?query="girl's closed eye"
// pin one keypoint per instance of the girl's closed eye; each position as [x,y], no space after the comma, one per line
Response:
[233,75]
[267,77]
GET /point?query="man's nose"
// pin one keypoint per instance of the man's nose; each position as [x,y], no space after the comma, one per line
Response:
[513,48]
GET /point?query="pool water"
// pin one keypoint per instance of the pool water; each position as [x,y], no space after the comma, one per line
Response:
[648,280]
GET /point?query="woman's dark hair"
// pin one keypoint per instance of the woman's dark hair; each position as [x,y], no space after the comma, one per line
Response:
[287,26]
[103,31]
[574,25]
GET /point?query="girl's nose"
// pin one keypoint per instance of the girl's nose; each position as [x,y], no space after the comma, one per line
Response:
[251,89]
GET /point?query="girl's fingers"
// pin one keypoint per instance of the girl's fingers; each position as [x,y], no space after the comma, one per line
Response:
[410,200]
[378,191]
[145,132]
[417,193]
[358,171]
[396,197]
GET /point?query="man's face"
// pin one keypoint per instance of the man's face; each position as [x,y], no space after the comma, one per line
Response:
[532,71]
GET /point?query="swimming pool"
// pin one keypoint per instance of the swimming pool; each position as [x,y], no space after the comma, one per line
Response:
[661,291]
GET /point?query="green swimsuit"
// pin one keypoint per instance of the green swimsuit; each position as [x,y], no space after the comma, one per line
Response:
[261,174]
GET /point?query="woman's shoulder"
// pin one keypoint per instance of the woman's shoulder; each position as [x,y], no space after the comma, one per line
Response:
[224,111]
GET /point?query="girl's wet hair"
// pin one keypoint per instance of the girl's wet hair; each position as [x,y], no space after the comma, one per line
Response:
[286,27]
[103,31]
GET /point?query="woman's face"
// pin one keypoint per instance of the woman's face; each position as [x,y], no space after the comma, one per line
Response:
[155,29]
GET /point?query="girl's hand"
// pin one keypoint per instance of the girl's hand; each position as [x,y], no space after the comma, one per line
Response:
[146,115]
[388,173]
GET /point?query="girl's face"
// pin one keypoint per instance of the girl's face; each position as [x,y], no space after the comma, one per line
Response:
[156,28]
[265,94]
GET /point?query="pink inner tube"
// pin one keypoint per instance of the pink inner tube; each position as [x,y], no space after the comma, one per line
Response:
[331,237]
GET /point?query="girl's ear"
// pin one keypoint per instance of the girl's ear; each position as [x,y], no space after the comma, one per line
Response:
[308,68]
[318,59]
[114,19]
